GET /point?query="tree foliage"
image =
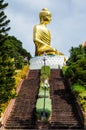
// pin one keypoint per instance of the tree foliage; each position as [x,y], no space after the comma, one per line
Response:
[3,21]
[16,51]
[76,70]
[7,82]
[12,55]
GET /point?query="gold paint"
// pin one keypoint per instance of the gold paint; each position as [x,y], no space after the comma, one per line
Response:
[42,36]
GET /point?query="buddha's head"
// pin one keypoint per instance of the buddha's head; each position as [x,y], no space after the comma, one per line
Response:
[45,16]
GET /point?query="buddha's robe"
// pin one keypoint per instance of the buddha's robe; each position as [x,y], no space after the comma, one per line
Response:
[42,39]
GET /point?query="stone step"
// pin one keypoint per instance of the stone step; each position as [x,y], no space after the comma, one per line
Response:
[65,126]
[23,113]
[64,114]
[20,127]
[63,104]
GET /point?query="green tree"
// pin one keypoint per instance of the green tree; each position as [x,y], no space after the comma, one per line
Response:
[76,53]
[7,82]
[3,21]
[76,70]
[16,51]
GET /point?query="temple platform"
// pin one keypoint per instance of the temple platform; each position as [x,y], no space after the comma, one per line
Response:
[54,61]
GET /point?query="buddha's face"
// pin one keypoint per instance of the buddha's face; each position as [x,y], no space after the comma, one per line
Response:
[47,18]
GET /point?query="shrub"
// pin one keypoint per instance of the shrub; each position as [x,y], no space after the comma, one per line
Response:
[20,74]
[64,69]
[24,71]
[80,92]
[78,88]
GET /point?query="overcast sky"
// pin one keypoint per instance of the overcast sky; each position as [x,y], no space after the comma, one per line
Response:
[68,25]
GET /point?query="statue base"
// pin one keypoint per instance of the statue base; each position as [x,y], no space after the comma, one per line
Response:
[54,61]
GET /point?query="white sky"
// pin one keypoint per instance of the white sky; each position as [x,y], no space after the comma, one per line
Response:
[68,25]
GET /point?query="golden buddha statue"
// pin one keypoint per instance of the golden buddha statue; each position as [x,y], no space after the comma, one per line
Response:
[42,36]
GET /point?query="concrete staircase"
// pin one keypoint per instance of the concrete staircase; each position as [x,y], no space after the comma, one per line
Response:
[23,114]
[65,113]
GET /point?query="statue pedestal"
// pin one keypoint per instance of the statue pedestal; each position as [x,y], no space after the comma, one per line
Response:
[54,62]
